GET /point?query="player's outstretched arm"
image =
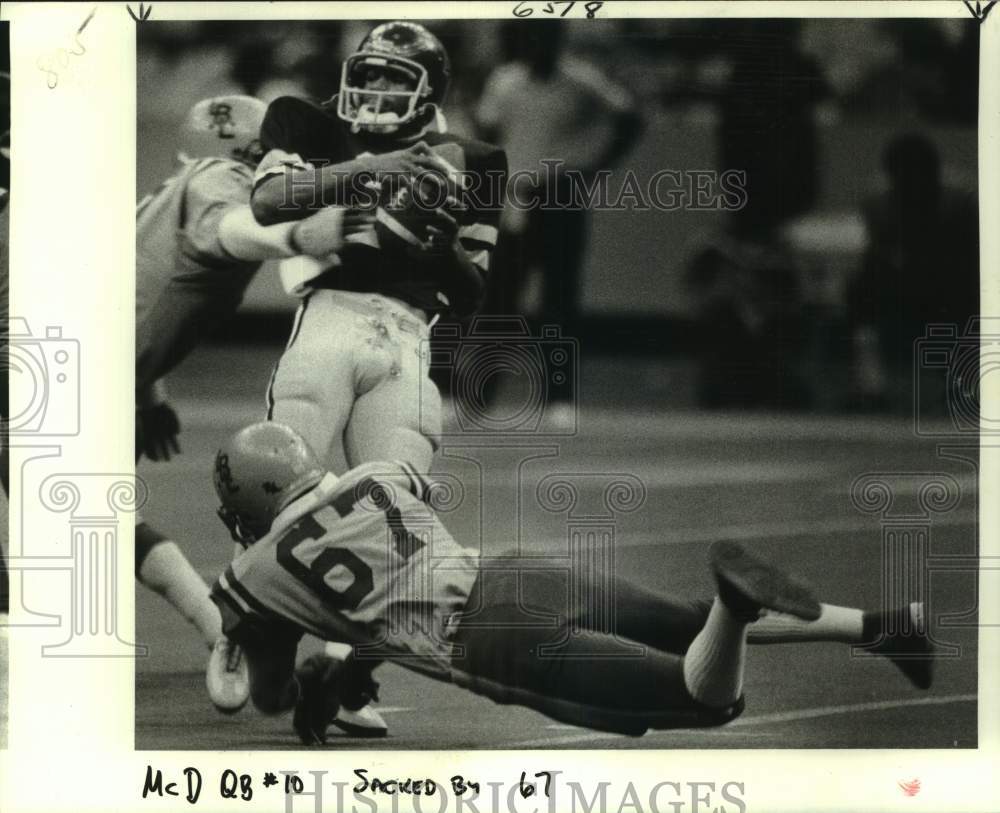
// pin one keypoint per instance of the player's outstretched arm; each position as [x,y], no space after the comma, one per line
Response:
[319,235]
[287,188]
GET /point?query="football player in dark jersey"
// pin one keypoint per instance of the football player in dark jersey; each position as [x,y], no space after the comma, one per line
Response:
[354,380]
[4,364]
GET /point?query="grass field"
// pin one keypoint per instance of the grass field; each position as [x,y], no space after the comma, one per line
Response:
[781,485]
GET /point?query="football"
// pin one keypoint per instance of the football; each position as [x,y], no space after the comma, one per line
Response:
[408,205]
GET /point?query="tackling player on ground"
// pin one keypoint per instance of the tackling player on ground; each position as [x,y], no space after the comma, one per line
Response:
[197,249]
[363,557]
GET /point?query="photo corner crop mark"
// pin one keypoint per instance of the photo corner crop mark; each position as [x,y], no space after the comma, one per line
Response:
[979,10]
[143,15]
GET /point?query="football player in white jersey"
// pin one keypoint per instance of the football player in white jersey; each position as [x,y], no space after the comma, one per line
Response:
[197,249]
[363,557]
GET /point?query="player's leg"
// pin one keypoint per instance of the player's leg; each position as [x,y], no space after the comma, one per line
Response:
[649,618]
[312,388]
[356,690]
[268,644]
[576,684]
[606,603]
[580,677]
[271,667]
[160,566]
[324,686]
[713,665]
[397,414]
[900,634]
[385,423]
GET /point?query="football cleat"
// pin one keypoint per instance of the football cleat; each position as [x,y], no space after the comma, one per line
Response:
[356,692]
[747,585]
[365,722]
[227,677]
[318,704]
[901,636]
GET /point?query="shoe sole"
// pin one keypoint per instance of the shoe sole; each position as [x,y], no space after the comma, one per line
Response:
[228,709]
[360,730]
[228,706]
[761,583]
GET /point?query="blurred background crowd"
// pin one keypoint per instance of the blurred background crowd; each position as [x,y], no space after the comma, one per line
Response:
[857,137]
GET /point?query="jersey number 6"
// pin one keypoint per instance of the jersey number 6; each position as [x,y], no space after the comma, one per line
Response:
[314,574]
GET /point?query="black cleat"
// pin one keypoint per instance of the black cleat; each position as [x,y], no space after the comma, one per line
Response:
[747,585]
[318,678]
[901,636]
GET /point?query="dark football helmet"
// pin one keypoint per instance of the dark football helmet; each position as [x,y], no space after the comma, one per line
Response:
[408,55]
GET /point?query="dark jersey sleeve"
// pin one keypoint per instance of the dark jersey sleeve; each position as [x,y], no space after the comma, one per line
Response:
[486,182]
[294,125]
[298,135]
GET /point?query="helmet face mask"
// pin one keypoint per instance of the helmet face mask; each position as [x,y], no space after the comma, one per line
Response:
[414,69]
[237,529]
[378,110]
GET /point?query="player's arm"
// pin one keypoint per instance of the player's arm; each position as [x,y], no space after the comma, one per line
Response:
[288,188]
[461,279]
[466,249]
[319,235]
[219,224]
[156,423]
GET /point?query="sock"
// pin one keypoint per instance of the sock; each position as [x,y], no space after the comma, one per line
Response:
[713,665]
[905,621]
[844,624]
[167,572]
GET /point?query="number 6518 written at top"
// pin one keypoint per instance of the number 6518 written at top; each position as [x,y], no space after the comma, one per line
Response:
[555,8]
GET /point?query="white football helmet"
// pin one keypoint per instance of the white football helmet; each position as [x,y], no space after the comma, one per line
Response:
[224,127]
